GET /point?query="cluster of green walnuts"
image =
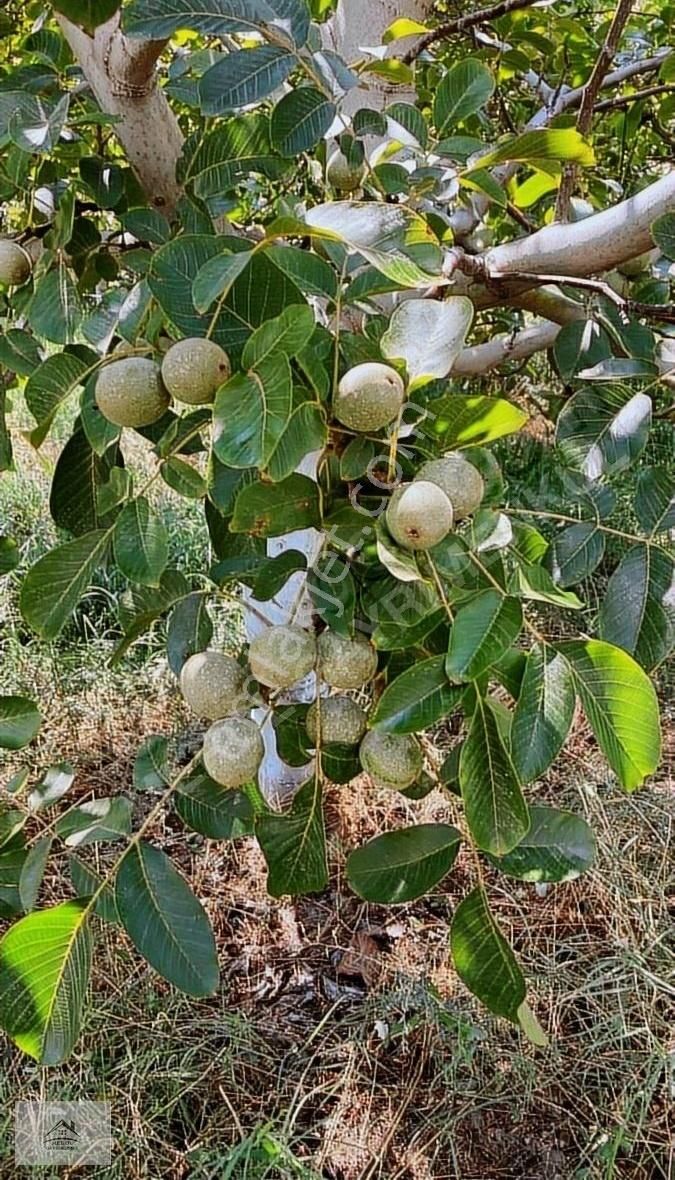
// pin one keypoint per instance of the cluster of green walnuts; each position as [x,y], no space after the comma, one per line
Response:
[133,391]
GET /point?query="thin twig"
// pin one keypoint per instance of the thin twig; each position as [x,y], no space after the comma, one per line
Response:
[624,100]
[664,312]
[462,23]
[588,100]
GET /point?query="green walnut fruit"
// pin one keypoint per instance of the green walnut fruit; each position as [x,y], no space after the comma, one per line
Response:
[15,264]
[213,685]
[369,397]
[390,760]
[343,722]
[459,479]
[342,175]
[346,663]
[233,751]
[419,515]
[280,656]
[194,369]
[129,392]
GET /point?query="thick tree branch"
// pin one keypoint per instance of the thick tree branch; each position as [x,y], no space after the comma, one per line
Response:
[121,74]
[517,346]
[462,23]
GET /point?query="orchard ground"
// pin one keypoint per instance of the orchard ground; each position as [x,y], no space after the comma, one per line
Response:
[341,1045]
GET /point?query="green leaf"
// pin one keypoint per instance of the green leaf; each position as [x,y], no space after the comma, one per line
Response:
[482,631]
[403,27]
[274,573]
[147,224]
[638,611]
[141,606]
[50,384]
[496,810]
[655,500]
[243,78]
[460,421]
[575,553]
[340,764]
[140,543]
[190,630]
[55,311]
[10,555]
[534,583]
[89,14]
[550,143]
[78,477]
[463,90]
[99,821]
[19,352]
[416,699]
[271,510]
[261,292]
[395,240]
[229,154]
[33,871]
[428,336]
[357,458]
[543,714]
[332,590]
[151,771]
[663,233]
[45,963]
[300,121]
[483,958]
[165,922]
[251,412]
[620,703]
[559,846]
[404,865]
[215,279]
[287,333]
[184,479]
[312,274]
[305,432]
[294,844]
[20,722]
[56,783]
[36,123]
[53,586]
[213,812]
[161,18]
[602,431]
[86,883]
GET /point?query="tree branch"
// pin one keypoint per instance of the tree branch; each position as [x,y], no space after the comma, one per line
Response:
[624,100]
[462,23]
[588,98]
[516,346]
[121,74]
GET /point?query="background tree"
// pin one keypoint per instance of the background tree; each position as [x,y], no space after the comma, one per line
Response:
[290,254]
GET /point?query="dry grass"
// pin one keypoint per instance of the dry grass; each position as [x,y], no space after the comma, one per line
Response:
[342,1046]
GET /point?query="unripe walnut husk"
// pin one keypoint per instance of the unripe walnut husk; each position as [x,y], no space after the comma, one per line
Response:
[369,397]
[391,760]
[280,656]
[346,663]
[129,392]
[343,175]
[460,480]
[343,722]
[419,515]
[194,369]
[233,751]
[15,263]
[213,685]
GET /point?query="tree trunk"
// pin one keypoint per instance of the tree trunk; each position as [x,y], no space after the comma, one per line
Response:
[121,74]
